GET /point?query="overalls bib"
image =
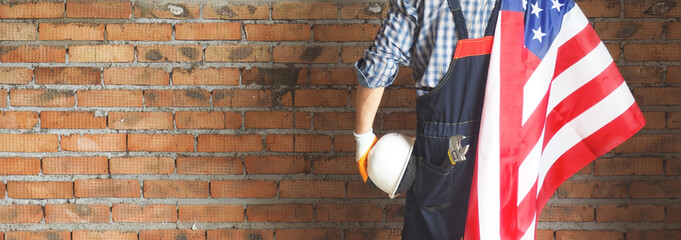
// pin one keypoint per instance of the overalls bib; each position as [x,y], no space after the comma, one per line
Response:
[437,203]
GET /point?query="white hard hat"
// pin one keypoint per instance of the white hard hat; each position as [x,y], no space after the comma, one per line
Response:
[390,165]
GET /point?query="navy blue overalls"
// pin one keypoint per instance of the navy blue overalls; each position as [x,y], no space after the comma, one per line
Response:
[437,203]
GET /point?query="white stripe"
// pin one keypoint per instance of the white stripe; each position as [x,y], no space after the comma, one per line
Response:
[579,74]
[529,171]
[537,85]
[489,189]
[583,126]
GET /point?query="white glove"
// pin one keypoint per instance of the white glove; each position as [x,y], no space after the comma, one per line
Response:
[365,142]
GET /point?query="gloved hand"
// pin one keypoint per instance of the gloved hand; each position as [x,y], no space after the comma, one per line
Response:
[365,142]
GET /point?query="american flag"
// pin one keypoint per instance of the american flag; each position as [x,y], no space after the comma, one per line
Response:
[554,102]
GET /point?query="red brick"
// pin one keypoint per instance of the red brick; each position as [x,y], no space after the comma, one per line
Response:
[674,74]
[228,234]
[285,77]
[15,75]
[279,143]
[71,120]
[32,54]
[629,213]
[99,9]
[39,190]
[674,120]
[68,75]
[18,120]
[368,234]
[237,53]
[116,188]
[597,8]
[304,10]
[31,10]
[161,142]
[673,214]
[654,234]
[17,31]
[335,165]
[103,235]
[140,120]
[658,95]
[673,30]
[207,120]
[305,54]
[334,120]
[364,11]
[242,98]
[159,9]
[139,31]
[229,143]
[19,166]
[269,119]
[102,53]
[399,98]
[655,189]
[42,98]
[177,98]
[650,143]
[146,213]
[277,32]
[276,165]
[399,120]
[112,142]
[344,143]
[581,234]
[136,76]
[673,166]
[345,32]
[317,98]
[350,54]
[628,30]
[206,76]
[567,213]
[172,234]
[312,143]
[629,166]
[655,120]
[544,234]
[279,213]
[75,165]
[311,189]
[642,74]
[49,235]
[208,31]
[206,213]
[651,9]
[243,189]
[175,189]
[142,165]
[29,142]
[349,213]
[226,10]
[593,189]
[169,53]
[76,213]
[360,189]
[652,51]
[21,213]
[3,98]
[209,165]
[332,76]
[71,31]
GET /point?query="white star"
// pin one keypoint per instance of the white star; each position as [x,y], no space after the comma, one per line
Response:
[536,9]
[556,5]
[538,34]
[524,4]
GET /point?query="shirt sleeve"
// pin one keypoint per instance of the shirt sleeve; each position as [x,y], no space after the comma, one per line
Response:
[392,46]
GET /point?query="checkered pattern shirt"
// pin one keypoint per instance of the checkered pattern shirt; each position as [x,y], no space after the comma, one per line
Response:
[420,34]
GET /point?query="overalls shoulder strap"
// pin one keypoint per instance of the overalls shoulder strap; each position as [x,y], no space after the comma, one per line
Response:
[459,21]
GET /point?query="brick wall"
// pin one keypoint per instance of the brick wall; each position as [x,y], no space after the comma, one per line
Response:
[216,120]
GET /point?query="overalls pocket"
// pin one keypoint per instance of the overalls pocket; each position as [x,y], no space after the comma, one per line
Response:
[432,186]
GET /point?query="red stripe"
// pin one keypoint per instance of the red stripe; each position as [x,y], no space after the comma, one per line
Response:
[473,47]
[575,49]
[526,211]
[593,146]
[582,99]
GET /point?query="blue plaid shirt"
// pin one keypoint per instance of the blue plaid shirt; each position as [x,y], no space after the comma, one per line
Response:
[420,34]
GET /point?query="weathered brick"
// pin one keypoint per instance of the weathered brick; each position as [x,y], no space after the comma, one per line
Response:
[652,51]
[111,142]
[305,54]
[172,234]
[311,98]
[32,9]
[140,120]
[349,213]
[673,166]
[161,142]
[232,233]
[68,75]
[17,31]
[344,143]
[277,32]
[146,213]
[655,189]
[304,10]
[116,188]
[71,31]
[38,235]
[364,11]
[3,98]
[311,189]
[335,165]
[42,98]
[32,54]
[372,233]
[29,142]
[142,165]
[276,165]
[593,189]
[597,8]
[642,74]
[658,96]
[160,9]
[237,53]
[209,165]
[673,30]
[360,189]
[673,214]
[175,189]
[103,235]
[651,9]
[39,190]
[580,234]
[345,32]
[285,77]
[674,74]
[169,53]
[139,31]
[567,213]
[206,213]
[243,189]
[136,76]
[628,166]
[309,233]
[99,9]
[206,76]
[71,120]
[227,10]
[628,30]
[207,120]
[76,213]
[279,143]
[312,143]
[19,166]
[176,98]
[75,165]
[654,234]
[629,213]
[18,120]
[242,98]
[15,75]
[350,54]
[229,143]
[650,143]
[279,213]
[332,76]
[208,31]
[334,120]
[269,119]
[674,120]
[20,213]
[102,53]
[399,120]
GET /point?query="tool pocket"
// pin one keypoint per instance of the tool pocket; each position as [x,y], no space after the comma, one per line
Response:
[432,186]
